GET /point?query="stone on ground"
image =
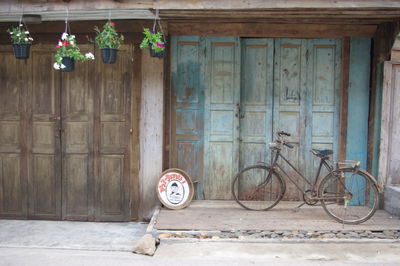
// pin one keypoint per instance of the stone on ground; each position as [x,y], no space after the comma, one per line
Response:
[145,245]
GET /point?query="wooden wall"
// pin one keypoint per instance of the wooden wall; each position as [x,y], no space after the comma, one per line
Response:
[151,132]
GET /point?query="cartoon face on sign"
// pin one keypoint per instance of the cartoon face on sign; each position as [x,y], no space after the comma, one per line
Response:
[175,192]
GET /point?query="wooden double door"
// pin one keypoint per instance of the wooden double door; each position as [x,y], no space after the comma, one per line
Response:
[230,96]
[64,138]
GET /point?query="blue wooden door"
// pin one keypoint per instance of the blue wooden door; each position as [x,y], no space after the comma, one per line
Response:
[231,96]
[256,100]
[221,116]
[187,102]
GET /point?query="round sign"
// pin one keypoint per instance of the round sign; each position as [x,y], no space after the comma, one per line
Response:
[175,189]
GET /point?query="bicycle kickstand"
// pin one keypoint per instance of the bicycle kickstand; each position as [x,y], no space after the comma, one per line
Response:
[296,209]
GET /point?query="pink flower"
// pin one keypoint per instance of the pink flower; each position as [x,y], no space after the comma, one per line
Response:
[159,44]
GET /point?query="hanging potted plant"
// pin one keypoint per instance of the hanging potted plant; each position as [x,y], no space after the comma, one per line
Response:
[108,41]
[68,52]
[154,41]
[21,41]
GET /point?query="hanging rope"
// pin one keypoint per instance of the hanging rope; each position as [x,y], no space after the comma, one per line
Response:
[109,15]
[67,29]
[157,21]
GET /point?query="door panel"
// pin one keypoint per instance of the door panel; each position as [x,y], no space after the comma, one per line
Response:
[77,142]
[323,70]
[289,104]
[187,101]
[256,101]
[44,138]
[13,168]
[221,116]
[112,138]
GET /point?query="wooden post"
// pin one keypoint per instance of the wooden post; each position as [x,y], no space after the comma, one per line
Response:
[150,132]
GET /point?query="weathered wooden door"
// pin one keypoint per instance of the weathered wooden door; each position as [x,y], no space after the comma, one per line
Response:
[43,136]
[187,103]
[112,141]
[256,101]
[13,121]
[77,130]
[252,89]
[221,116]
[64,138]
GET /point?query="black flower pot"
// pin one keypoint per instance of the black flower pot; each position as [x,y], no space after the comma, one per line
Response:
[21,50]
[109,55]
[156,54]
[69,64]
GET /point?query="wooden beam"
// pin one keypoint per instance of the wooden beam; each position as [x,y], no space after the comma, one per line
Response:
[271,30]
[344,98]
[40,5]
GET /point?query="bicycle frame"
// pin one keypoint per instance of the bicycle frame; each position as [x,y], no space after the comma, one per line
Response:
[275,165]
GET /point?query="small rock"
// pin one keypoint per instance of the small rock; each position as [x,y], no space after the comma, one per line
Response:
[145,245]
[164,235]
[388,233]
[340,235]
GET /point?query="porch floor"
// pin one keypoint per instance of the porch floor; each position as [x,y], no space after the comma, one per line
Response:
[207,215]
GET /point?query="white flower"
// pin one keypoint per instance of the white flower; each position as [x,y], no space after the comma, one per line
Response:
[72,36]
[11,33]
[64,36]
[72,42]
[21,25]
[60,43]
[26,32]
[56,66]
[63,66]
[26,39]
[30,38]
[89,56]
[18,34]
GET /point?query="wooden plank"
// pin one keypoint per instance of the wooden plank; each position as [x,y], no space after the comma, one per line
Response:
[135,146]
[270,30]
[344,99]
[386,122]
[151,146]
[358,99]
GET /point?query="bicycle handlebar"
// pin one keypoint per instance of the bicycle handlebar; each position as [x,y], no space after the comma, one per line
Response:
[280,133]
[288,145]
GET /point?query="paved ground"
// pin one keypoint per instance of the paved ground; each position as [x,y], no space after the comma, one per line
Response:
[228,215]
[70,235]
[213,254]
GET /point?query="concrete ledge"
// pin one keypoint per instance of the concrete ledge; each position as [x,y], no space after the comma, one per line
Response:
[392,200]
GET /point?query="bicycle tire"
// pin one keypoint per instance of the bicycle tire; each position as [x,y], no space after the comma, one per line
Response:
[348,195]
[250,190]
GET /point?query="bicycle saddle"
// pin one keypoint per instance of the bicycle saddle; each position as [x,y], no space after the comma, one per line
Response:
[322,153]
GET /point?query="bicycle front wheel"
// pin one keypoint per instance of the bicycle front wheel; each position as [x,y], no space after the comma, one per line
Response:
[258,188]
[349,196]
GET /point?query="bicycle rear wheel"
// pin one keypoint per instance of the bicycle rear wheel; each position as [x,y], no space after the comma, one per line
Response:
[258,188]
[348,196]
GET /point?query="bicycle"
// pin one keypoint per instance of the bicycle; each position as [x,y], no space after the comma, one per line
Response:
[348,194]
